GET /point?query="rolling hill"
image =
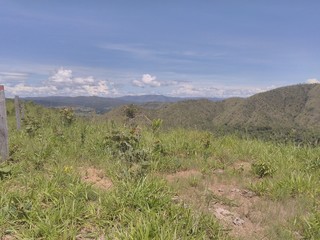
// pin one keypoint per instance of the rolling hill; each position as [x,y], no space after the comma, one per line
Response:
[283,109]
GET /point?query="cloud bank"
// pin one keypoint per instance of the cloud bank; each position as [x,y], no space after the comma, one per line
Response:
[189,90]
[62,82]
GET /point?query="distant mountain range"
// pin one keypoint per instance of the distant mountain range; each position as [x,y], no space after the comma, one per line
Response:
[292,107]
[103,104]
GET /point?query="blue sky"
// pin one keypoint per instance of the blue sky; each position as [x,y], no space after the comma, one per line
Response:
[207,48]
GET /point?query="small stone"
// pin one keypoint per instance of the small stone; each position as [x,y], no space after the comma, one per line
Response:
[223,212]
[248,194]
[219,171]
[235,190]
[175,199]
[238,221]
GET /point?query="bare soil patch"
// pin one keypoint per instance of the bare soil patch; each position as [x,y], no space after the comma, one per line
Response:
[89,233]
[224,194]
[233,206]
[95,177]
[7,237]
[223,197]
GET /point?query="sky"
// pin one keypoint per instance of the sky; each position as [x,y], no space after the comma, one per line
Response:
[183,48]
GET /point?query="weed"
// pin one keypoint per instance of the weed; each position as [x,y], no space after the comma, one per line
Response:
[156,125]
[5,171]
[31,126]
[311,226]
[131,111]
[263,169]
[67,116]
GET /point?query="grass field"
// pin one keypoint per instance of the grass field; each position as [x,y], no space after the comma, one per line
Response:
[76,178]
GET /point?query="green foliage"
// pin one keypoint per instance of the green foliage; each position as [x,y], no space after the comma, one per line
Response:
[5,171]
[311,226]
[131,111]
[263,169]
[67,116]
[126,146]
[313,164]
[31,125]
[156,125]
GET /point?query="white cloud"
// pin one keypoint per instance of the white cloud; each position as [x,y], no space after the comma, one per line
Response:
[63,83]
[312,81]
[64,77]
[189,90]
[22,89]
[147,80]
[137,83]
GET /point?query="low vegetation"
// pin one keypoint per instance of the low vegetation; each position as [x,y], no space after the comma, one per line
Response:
[88,178]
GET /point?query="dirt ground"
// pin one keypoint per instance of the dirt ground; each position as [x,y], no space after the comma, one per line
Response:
[239,210]
[95,177]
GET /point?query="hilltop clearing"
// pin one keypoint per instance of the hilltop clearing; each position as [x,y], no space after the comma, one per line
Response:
[74,178]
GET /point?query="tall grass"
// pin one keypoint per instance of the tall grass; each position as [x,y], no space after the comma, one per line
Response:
[43,196]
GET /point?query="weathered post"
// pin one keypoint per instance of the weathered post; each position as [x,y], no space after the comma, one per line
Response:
[4,143]
[17,108]
[22,110]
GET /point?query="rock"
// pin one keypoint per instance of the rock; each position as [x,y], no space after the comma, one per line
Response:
[238,221]
[248,194]
[223,212]
[219,171]
[175,199]
[235,190]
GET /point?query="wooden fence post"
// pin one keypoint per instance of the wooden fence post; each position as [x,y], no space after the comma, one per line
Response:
[17,108]
[4,143]
[22,110]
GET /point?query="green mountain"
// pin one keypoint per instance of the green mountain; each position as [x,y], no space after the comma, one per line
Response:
[286,109]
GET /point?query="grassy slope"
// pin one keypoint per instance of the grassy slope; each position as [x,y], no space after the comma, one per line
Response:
[43,196]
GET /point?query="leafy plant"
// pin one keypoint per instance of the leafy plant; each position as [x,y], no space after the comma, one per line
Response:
[5,171]
[263,169]
[126,145]
[156,125]
[313,164]
[131,111]
[67,116]
[31,125]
